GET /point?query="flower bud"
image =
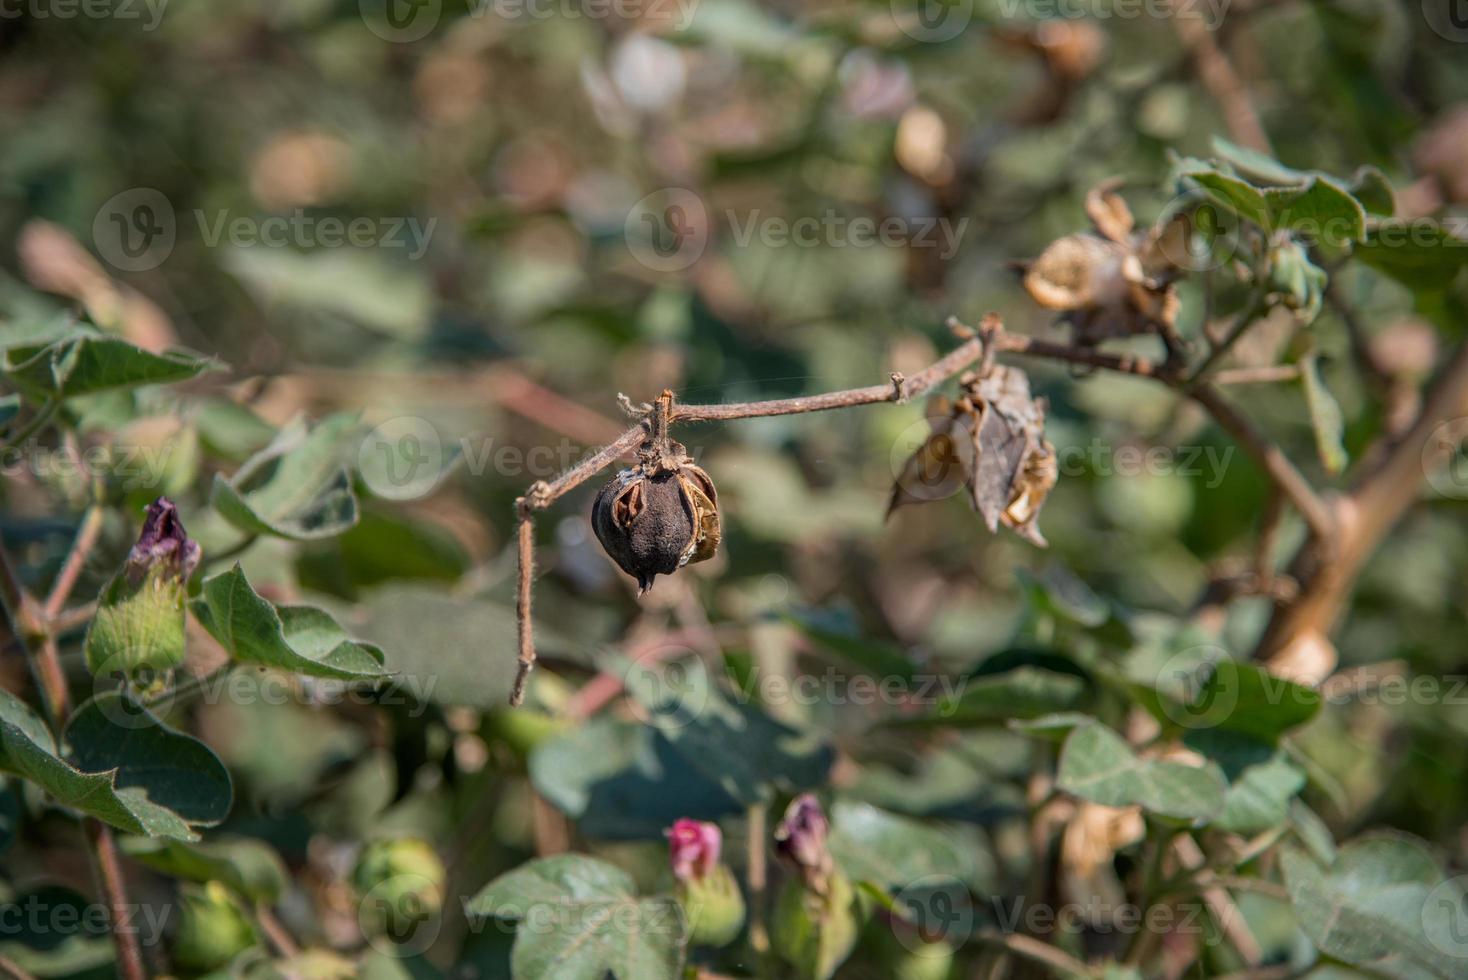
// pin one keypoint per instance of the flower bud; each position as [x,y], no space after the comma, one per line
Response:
[139,626]
[693,846]
[658,516]
[815,932]
[213,926]
[711,900]
[801,839]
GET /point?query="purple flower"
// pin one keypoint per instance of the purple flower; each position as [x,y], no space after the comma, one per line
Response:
[801,839]
[164,544]
[693,846]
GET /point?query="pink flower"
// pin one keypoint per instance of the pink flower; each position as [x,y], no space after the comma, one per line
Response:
[800,838]
[694,847]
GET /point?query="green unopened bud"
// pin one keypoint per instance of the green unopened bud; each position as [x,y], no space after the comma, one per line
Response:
[213,927]
[713,906]
[814,933]
[139,626]
[401,883]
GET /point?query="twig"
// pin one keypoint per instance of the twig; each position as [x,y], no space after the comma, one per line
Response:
[1257,375]
[1222,82]
[280,937]
[12,970]
[114,887]
[1061,962]
[757,874]
[1276,464]
[76,560]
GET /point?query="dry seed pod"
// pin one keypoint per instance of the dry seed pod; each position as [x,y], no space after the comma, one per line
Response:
[659,515]
[1008,465]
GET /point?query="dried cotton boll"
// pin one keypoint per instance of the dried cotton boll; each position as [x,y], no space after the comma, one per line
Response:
[659,515]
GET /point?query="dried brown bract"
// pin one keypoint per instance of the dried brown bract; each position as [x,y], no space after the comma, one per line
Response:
[1116,281]
[661,514]
[992,442]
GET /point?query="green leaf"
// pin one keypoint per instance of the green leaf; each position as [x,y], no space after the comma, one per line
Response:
[1097,764]
[299,639]
[297,487]
[1419,254]
[9,408]
[1319,209]
[1254,164]
[583,919]
[880,659]
[27,750]
[113,732]
[1381,905]
[1202,688]
[1370,186]
[893,851]
[1262,781]
[1234,195]
[382,547]
[621,780]
[87,362]
[249,866]
[1325,416]
[749,753]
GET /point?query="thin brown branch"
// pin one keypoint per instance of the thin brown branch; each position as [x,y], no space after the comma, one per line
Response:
[525,535]
[280,937]
[76,560]
[1268,374]
[1027,947]
[1218,76]
[114,887]
[757,874]
[1276,464]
